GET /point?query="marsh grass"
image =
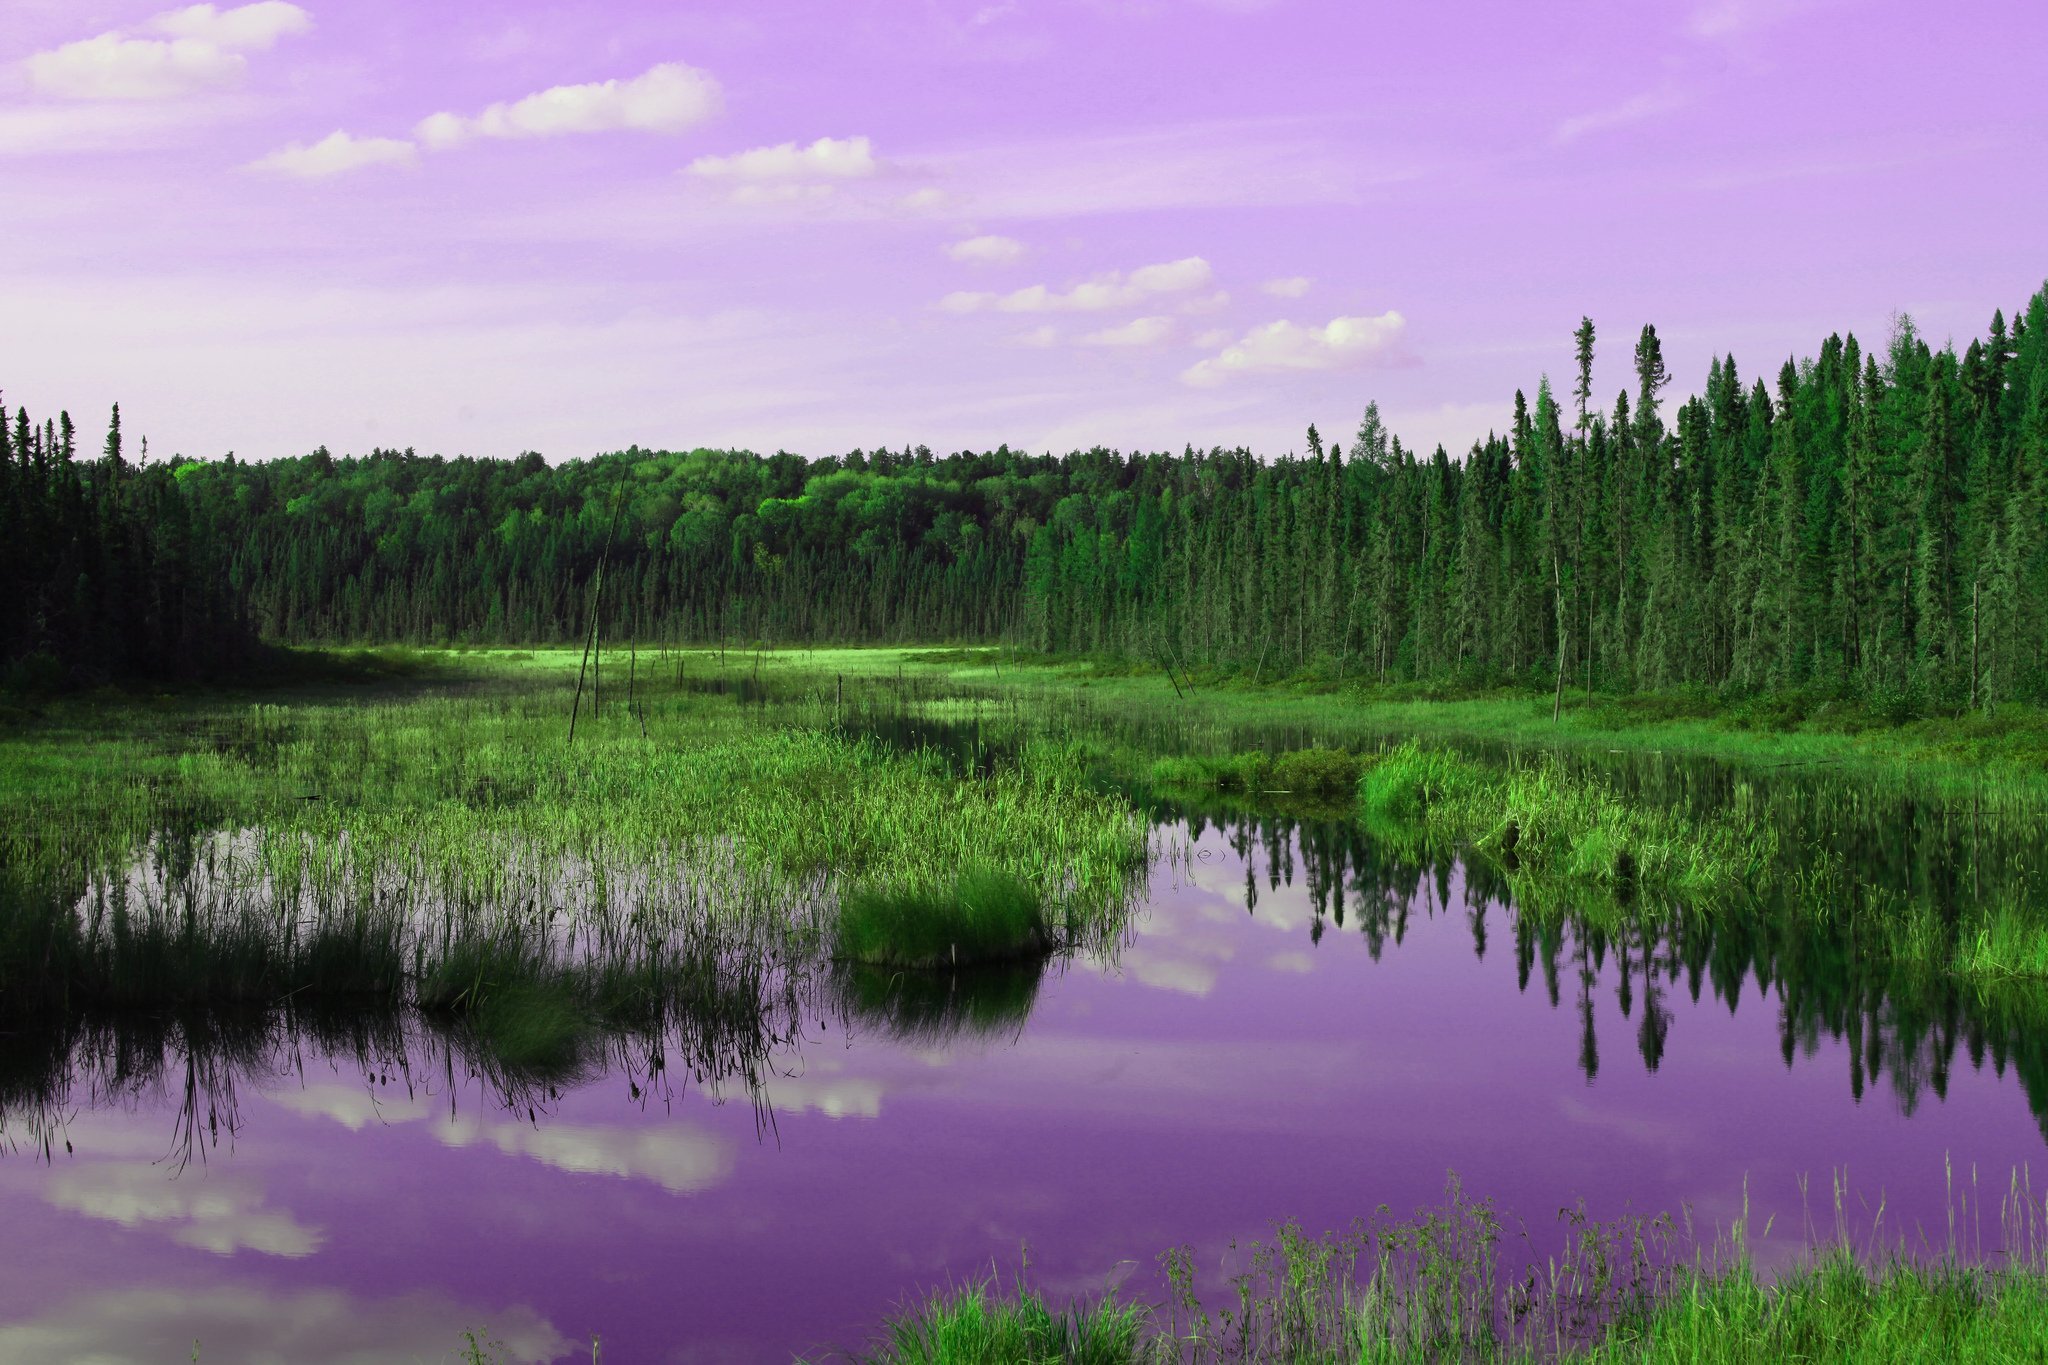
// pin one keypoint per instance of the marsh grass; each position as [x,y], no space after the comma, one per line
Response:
[1435,1287]
[983,916]
[1941,753]
[978,1324]
[445,850]
[1323,773]
[2004,942]
[1543,819]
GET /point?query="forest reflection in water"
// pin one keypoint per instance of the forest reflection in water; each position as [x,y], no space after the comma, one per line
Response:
[1905,1029]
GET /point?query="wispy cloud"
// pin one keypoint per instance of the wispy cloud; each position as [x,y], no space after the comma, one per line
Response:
[1720,19]
[1136,332]
[1112,289]
[336,154]
[1339,344]
[829,158]
[221,1214]
[668,98]
[42,129]
[987,250]
[1636,109]
[1287,287]
[241,1322]
[1267,163]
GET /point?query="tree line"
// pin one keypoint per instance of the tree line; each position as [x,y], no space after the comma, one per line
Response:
[108,570]
[1867,522]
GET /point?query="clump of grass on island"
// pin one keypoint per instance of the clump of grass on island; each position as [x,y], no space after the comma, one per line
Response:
[1329,774]
[1574,827]
[984,916]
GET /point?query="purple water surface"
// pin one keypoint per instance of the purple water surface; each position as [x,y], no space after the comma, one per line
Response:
[1235,1067]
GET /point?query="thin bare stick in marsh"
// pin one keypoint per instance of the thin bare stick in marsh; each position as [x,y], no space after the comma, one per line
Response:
[596,612]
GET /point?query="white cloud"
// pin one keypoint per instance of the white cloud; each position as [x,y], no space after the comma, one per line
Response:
[1212,339]
[1341,343]
[202,52]
[838,1098]
[111,67]
[850,158]
[251,28]
[1109,290]
[1287,287]
[678,1159]
[1190,272]
[221,1214]
[353,1107]
[666,99]
[1040,337]
[336,154]
[1640,108]
[987,250]
[239,1322]
[924,200]
[1137,332]
[1207,303]
[1167,973]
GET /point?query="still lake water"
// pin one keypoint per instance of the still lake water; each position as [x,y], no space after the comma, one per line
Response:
[1264,1047]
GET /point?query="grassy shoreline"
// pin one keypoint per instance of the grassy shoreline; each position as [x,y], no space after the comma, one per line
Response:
[1436,1287]
[2010,745]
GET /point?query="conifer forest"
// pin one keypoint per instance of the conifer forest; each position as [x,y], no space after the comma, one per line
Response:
[1869,522]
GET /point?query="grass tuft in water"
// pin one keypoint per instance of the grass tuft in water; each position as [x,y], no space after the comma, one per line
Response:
[983,916]
[977,1326]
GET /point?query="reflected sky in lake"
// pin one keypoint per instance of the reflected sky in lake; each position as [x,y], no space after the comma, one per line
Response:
[1247,1057]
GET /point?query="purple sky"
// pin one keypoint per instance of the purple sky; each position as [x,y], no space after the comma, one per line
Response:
[570,227]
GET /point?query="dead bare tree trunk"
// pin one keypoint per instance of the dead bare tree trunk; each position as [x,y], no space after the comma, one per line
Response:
[1557,593]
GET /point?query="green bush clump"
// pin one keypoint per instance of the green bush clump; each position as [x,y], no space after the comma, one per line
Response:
[1406,781]
[984,916]
[1317,772]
